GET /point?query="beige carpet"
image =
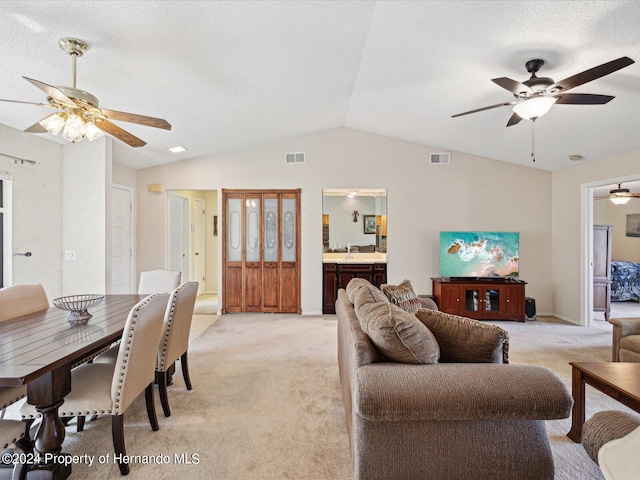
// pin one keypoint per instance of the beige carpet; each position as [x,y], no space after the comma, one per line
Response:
[266,403]
[206,304]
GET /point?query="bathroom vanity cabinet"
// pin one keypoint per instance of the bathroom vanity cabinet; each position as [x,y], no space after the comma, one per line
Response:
[336,275]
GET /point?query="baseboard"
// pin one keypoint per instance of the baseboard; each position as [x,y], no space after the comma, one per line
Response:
[561,317]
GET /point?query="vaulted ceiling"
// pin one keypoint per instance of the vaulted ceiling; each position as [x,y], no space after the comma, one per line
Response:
[230,75]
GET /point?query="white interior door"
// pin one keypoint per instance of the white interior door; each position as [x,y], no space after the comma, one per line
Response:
[179,235]
[198,252]
[121,241]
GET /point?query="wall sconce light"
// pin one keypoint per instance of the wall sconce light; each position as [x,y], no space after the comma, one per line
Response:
[156,188]
[355,216]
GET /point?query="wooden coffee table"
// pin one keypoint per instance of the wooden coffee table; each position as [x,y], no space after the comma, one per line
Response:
[619,380]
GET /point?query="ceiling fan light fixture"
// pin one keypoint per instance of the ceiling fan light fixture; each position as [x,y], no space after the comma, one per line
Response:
[534,107]
[53,123]
[73,128]
[619,200]
[92,132]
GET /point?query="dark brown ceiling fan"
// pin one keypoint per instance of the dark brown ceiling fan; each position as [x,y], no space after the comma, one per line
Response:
[79,114]
[619,195]
[535,96]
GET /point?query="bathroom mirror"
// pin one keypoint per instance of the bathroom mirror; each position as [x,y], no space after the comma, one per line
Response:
[357,217]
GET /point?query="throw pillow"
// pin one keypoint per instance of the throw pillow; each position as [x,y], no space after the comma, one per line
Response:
[398,335]
[360,291]
[464,340]
[402,295]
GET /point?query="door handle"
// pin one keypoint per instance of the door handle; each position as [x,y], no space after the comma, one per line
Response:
[197,253]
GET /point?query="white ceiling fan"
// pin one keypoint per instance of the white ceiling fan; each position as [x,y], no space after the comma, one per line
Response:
[79,114]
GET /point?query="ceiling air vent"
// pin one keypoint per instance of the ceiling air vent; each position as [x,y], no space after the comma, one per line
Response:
[295,158]
[439,159]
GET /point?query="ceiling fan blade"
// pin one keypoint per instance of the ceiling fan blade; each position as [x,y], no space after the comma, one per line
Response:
[46,105]
[582,99]
[139,119]
[36,128]
[628,195]
[511,85]
[515,119]
[592,74]
[119,133]
[484,108]
[53,92]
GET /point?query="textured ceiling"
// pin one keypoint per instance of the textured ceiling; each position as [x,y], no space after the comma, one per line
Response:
[230,75]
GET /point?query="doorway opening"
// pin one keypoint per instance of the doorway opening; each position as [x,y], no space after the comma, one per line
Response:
[193,247]
[603,212]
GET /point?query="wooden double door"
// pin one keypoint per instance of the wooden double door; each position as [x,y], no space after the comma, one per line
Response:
[261,251]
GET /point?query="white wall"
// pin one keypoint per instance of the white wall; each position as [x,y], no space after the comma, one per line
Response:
[342,228]
[212,243]
[472,193]
[86,214]
[566,223]
[124,175]
[60,204]
[37,208]
[606,213]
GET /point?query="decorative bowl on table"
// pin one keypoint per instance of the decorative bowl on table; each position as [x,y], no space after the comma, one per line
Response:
[78,306]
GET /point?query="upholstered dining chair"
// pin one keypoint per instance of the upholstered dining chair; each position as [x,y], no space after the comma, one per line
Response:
[626,339]
[22,299]
[16,301]
[158,281]
[174,342]
[110,388]
[14,433]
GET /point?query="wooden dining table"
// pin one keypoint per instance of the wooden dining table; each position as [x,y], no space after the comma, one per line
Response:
[39,349]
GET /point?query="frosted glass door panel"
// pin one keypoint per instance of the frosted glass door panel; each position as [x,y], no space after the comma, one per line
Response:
[234,238]
[289,229]
[252,209]
[270,229]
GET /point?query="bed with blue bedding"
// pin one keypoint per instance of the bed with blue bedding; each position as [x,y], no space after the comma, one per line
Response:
[625,281]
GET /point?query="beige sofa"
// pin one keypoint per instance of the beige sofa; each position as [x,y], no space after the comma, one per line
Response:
[441,420]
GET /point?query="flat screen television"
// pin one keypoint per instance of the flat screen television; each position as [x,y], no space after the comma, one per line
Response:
[479,254]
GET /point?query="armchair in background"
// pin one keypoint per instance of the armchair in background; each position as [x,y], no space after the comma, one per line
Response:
[626,339]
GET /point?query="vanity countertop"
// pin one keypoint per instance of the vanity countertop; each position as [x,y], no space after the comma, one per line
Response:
[354,260]
[362,258]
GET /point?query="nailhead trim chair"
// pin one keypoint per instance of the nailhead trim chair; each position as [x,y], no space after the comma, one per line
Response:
[158,281]
[16,301]
[109,389]
[174,342]
[22,299]
[14,432]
